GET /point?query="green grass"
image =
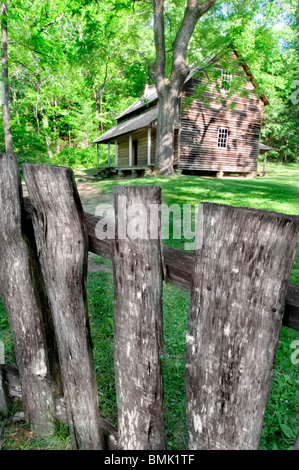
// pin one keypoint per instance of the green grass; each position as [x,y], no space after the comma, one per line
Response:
[278,192]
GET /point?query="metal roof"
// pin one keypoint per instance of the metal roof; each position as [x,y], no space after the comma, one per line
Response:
[150,96]
[143,120]
[265,147]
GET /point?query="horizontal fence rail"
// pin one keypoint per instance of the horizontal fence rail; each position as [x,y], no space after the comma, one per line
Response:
[177,267]
[238,294]
[137,324]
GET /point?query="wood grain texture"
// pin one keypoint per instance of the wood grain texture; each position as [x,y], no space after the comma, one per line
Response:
[138,323]
[200,124]
[22,305]
[178,266]
[62,247]
[28,213]
[4,399]
[296,443]
[291,312]
[13,385]
[238,290]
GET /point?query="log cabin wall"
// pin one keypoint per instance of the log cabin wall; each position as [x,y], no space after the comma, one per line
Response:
[123,151]
[123,148]
[141,137]
[200,124]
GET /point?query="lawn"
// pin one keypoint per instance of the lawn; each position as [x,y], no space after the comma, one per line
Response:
[278,192]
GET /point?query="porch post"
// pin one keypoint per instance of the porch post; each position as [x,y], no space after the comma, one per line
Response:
[98,156]
[265,161]
[130,151]
[116,153]
[109,154]
[149,145]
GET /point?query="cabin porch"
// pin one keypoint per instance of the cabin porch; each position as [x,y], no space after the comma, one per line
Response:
[123,171]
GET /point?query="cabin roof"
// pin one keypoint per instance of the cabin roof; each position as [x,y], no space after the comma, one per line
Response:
[133,124]
[148,98]
[151,94]
[265,147]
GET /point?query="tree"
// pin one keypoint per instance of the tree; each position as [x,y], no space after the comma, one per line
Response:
[5,85]
[168,88]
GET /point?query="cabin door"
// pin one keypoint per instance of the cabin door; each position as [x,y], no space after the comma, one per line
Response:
[135,152]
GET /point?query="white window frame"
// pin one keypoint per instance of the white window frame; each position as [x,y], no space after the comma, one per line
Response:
[227,77]
[222,138]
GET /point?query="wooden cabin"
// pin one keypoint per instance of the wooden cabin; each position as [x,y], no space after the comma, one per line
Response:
[216,133]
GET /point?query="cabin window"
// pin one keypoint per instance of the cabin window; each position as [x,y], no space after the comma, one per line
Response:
[226,79]
[222,137]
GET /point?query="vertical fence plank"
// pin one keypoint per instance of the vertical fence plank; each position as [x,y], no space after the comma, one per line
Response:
[4,399]
[62,247]
[138,319]
[43,301]
[237,298]
[21,303]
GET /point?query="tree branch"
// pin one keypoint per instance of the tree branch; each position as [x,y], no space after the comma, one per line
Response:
[194,10]
[50,23]
[157,70]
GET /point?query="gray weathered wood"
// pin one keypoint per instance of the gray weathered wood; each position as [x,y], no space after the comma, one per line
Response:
[138,323]
[4,400]
[61,242]
[296,443]
[237,298]
[291,311]
[12,380]
[178,266]
[178,269]
[21,303]
[43,301]
[13,385]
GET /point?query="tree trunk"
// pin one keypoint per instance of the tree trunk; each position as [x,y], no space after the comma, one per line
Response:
[169,88]
[47,138]
[16,106]
[5,85]
[36,106]
[168,105]
[96,98]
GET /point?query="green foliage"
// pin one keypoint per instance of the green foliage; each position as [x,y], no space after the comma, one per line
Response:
[74,65]
[76,158]
[278,192]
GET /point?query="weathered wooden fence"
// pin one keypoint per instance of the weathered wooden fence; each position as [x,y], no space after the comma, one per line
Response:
[239,297]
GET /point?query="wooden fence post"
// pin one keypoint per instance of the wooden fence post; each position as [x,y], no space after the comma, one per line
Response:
[23,307]
[238,290]
[4,399]
[138,319]
[62,246]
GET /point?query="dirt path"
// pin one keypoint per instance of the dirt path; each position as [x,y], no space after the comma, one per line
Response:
[94,267]
[91,197]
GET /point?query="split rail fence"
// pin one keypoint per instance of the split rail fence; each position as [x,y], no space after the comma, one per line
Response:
[240,295]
